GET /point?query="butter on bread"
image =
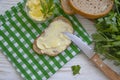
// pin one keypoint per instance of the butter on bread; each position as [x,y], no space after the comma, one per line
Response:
[52,41]
[91,8]
[66,7]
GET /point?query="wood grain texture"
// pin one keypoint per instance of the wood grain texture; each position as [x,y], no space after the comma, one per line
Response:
[88,70]
[104,68]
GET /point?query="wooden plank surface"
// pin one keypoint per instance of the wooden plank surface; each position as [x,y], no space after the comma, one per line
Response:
[88,69]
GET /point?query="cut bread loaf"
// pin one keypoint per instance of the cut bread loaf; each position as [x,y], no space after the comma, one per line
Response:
[66,7]
[91,8]
[52,41]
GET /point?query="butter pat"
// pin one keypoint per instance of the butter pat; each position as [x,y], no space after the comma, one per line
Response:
[53,38]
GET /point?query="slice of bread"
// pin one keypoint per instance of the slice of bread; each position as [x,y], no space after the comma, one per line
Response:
[52,41]
[91,8]
[66,7]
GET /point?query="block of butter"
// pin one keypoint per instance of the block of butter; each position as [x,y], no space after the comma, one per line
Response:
[52,41]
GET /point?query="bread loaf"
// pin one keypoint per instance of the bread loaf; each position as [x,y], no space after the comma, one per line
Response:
[91,8]
[66,7]
[52,41]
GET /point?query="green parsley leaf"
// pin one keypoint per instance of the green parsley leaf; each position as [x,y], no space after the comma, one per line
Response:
[75,69]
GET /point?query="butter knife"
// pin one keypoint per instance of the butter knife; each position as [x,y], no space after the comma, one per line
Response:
[88,50]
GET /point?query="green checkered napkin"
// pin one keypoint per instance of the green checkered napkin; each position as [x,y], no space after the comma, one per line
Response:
[17,33]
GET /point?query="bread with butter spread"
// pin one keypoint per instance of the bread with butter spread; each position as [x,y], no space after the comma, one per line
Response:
[52,41]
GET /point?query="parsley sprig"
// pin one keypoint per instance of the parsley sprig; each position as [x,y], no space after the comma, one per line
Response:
[107,38]
[47,7]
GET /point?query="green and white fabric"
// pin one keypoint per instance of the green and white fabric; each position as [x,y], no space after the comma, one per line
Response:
[17,33]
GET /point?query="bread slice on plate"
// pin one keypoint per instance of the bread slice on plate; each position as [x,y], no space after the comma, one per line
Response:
[52,41]
[91,8]
[66,7]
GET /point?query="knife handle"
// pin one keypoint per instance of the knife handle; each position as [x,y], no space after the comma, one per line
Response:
[112,75]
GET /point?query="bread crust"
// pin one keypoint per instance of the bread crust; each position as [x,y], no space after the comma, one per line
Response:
[37,50]
[90,16]
[64,4]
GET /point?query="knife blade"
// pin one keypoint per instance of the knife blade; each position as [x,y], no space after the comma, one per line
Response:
[112,75]
[88,50]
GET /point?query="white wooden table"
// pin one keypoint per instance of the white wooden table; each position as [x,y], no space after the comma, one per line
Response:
[88,69]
